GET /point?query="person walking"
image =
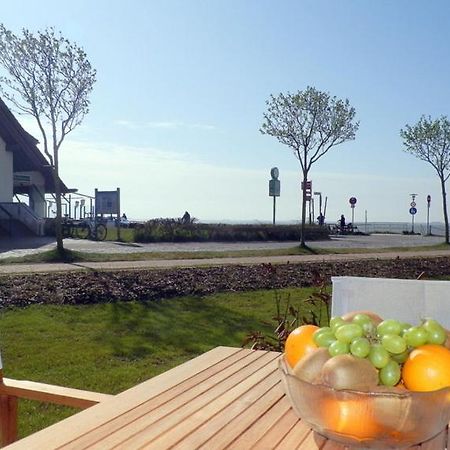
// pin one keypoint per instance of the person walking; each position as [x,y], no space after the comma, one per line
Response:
[186,219]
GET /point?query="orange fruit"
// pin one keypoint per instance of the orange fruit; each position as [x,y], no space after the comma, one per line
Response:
[427,368]
[299,343]
[356,418]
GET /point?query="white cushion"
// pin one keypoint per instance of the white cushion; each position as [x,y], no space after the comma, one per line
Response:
[405,300]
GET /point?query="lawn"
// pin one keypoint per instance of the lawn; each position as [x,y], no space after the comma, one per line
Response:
[111,347]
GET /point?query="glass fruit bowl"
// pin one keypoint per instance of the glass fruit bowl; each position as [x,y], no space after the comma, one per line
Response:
[367,419]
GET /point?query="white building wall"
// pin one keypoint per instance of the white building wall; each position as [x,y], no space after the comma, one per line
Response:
[6,173]
[37,195]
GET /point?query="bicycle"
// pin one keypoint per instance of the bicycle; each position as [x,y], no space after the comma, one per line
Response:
[91,229]
[84,229]
[67,228]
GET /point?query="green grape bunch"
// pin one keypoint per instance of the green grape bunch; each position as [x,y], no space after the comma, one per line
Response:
[386,344]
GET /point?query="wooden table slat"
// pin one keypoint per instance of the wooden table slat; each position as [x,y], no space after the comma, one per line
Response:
[169,400]
[278,430]
[252,435]
[166,432]
[331,445]
[71,428]
[237,425]
[295,436]
[231,413]
[313,441]
[227,398]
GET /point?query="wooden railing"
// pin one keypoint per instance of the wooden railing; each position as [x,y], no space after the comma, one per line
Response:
[13,390]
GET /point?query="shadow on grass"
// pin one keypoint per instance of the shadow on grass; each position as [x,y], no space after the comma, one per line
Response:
[309,249]
[159,328]
[49,256]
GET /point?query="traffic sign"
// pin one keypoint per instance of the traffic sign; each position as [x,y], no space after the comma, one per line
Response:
[274,188]
[352,200]
[413,204]
[412,210]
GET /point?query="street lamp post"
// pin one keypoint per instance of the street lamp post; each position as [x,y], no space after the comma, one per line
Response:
[320,203]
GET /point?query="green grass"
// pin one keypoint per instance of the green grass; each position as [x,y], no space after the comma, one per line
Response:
[74,256]
[126,234]
[108,348]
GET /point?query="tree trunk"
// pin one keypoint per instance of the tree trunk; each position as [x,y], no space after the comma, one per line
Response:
[444,205]
[58,219]
[302,229]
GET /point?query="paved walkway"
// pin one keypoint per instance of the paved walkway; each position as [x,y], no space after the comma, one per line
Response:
[370,242]
[22,247]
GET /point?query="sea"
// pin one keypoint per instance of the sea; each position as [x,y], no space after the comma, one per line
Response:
[434,228]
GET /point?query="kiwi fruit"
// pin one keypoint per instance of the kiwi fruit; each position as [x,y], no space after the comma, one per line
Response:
[349,372]
[447,342]
[375,317]
[309,367]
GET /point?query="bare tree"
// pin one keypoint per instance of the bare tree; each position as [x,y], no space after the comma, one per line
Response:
[429,140]
[310,122]
[50,78]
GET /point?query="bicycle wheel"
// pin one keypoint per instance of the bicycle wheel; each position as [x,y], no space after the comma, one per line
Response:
[83,231]
[100,232]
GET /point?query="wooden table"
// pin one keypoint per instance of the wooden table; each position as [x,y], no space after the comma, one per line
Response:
[226,398]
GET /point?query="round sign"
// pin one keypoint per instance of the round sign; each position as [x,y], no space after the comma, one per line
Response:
[428,198]
[413,204]
[412,211]
[352,200]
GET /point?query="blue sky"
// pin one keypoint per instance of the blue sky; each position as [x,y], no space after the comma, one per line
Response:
[182,85]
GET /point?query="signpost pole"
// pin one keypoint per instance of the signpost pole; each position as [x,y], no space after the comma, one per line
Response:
[412,211]
[96,206]
[428,215]
[352,202]
[274,189]
[118,215]
[274,207]
[321,213]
